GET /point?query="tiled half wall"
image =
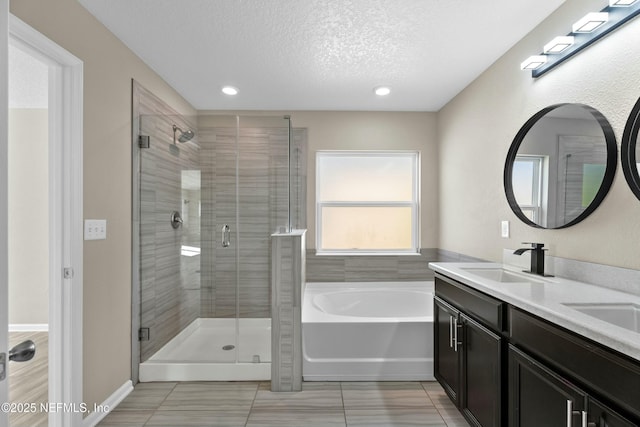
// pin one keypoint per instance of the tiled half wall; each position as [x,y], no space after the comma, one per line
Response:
[325,268]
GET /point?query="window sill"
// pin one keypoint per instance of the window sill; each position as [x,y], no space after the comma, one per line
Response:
[360,253]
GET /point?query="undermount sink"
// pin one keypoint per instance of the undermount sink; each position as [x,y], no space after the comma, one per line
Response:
[625,315]
[500,275]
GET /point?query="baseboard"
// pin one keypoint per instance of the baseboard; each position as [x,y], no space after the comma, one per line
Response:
[28,327]
[110,402]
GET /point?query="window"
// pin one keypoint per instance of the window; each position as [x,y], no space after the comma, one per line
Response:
[367,202]
[527,185]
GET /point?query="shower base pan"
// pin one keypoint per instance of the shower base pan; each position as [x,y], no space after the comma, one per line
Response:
[208,350]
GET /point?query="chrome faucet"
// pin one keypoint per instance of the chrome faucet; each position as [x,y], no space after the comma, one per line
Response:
[537,258]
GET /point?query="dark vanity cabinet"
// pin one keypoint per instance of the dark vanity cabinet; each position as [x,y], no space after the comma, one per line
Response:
[447,356]
[557,378]
[503,366]
[538,397]
[468,351]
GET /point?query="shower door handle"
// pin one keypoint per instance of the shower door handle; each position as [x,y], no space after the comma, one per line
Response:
[226,236]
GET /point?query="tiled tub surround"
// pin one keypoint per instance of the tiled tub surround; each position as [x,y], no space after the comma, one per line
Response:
[368,331]
[374,268]
[546,297]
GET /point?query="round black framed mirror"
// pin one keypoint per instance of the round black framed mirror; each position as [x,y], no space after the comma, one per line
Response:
[560,166]
[630,150]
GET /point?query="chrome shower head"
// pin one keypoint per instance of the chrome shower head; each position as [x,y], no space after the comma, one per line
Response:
[184,135]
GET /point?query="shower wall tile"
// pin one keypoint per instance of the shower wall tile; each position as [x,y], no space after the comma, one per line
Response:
[169,283]
[299,180]
[263,199]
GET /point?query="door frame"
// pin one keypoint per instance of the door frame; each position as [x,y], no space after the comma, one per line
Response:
[66,217]
[4,198]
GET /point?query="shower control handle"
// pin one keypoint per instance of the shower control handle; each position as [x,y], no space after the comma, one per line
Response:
[226,236]
[176,220]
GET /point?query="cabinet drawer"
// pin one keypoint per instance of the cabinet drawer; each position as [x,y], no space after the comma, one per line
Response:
[595,367]
[487,310]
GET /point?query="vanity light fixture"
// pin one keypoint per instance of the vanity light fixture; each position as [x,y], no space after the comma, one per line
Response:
[621,3]
[533,62]
[588,30]
[590,22]
[559,44]
[230,90]
[382,91]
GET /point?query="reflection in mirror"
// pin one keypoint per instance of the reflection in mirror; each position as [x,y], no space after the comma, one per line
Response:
[190,231]
[631,150]
[560,166]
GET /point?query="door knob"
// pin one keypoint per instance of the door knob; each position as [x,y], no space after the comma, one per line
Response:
[23,352]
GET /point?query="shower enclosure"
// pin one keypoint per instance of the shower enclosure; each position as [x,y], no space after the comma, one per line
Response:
[211,192]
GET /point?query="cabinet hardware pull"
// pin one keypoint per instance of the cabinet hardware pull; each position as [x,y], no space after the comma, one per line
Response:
[571,413]
[455,334]
[450,331]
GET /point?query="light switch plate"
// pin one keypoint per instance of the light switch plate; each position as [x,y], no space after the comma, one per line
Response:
[95,229]
[505,229]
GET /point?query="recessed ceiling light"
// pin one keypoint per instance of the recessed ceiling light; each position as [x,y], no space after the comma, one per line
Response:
[590,22]
[533,62]
[615,3]
[559,44]
[229,90]
[382,91]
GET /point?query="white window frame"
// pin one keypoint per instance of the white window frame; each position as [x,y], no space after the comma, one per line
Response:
[414,205]
[537,187]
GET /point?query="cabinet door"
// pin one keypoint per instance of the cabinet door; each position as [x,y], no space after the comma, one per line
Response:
[481,392]
[447,351]
[602,416]
[539,397]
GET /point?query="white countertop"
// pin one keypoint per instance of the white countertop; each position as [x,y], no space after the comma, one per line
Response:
[546,297]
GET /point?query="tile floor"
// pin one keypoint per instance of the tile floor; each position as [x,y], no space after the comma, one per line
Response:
[252,404]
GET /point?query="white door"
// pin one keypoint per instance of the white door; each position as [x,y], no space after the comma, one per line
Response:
[62,272]
[4,274]
[31,231]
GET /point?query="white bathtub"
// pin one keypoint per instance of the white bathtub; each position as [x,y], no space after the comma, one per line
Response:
[378,331]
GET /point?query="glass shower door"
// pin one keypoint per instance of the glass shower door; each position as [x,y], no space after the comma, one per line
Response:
[263,199]
[170,251]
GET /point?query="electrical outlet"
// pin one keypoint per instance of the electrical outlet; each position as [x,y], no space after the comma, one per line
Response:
[95,229]
[505,229]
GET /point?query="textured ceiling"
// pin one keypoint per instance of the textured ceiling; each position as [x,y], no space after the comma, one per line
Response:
[320,54]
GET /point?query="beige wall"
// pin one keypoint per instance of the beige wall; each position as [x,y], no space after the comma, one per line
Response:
[354,130]
[478,126]
[109,67]
[28,216]
[376,131]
